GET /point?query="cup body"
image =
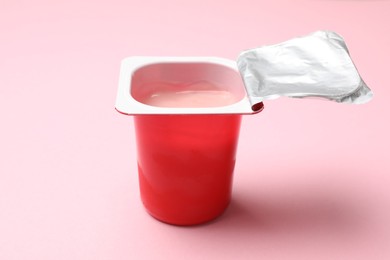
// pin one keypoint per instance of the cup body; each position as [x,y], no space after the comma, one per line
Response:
[185,165]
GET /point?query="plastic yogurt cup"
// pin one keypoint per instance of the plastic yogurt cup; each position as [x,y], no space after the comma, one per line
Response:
[187,114]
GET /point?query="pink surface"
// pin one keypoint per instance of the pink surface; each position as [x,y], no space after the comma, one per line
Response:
[312,177]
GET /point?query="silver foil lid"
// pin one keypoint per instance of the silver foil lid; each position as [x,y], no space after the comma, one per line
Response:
[317,65]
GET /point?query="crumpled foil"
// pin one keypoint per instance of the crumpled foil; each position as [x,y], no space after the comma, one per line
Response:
[317,65]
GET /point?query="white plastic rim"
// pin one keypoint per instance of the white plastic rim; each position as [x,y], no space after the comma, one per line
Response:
[127,104]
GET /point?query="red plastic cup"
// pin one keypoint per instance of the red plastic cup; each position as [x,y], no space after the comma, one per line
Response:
[186,153]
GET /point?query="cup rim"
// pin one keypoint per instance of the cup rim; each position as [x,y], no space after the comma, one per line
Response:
[128,105]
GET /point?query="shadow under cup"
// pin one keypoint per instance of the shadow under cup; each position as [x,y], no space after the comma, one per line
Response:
[186,161]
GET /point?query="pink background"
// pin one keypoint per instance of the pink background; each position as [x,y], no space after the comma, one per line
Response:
[312,177]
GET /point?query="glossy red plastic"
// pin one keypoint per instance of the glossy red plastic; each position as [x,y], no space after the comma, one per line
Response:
[186,165]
